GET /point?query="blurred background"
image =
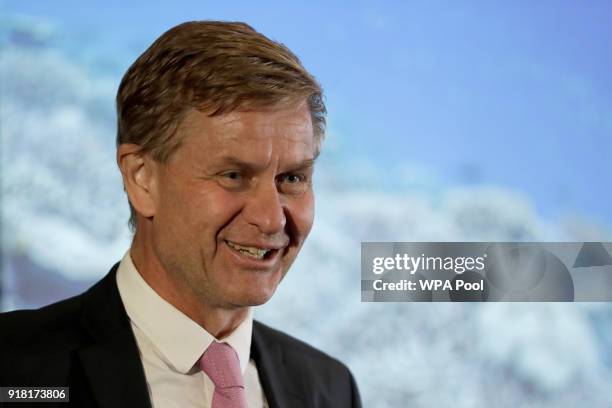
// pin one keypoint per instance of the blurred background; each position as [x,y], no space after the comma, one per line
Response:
[466,121]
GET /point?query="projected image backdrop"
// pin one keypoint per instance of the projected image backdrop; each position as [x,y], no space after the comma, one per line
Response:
[447,122]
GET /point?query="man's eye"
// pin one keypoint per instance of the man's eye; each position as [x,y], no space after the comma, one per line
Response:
[293,178]
[233,175]
[231,179]
[293,183]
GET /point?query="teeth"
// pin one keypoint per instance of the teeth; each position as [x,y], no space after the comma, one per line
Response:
[249,251]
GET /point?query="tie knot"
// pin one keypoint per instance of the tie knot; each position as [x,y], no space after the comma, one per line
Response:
[220,362]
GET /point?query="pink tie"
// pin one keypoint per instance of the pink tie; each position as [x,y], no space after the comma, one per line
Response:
[220,363]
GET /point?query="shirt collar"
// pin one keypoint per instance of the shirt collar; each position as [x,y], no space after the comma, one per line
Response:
[179,340]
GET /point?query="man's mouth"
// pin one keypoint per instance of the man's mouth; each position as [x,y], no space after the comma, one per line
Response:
[251,251]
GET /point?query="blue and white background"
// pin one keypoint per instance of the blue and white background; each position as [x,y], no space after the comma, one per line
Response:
[471,120]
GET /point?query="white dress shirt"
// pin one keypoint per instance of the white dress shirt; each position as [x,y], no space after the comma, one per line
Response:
[171,345]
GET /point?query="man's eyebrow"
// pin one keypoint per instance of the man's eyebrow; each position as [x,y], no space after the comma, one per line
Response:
[303,165]
[235,161]
[246,165]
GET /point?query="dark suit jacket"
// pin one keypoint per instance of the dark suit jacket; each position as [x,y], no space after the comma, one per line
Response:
[86,343]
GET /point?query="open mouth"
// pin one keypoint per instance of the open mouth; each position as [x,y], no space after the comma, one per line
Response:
[250,251]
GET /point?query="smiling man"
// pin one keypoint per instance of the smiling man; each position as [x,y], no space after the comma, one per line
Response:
[220,222]
[218,131]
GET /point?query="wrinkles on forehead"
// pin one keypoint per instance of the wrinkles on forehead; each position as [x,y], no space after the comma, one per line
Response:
[253,139]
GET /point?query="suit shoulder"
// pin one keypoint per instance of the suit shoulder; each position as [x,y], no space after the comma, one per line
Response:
[301,350]
[21,327]
[325,380]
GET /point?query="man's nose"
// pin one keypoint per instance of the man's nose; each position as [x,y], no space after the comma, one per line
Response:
[265,210]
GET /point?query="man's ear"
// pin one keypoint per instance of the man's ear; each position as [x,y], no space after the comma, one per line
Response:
[139,178]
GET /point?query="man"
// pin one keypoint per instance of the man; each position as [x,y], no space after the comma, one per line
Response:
[218,131]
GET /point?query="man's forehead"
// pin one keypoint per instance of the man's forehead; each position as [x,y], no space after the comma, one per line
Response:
[248,138]
[293,124]
[296,115]
[289,148]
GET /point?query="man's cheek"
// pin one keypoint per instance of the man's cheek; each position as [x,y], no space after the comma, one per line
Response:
[309,211]
[221,205]
[304,217]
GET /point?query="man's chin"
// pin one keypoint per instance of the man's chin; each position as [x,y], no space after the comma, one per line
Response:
[253,299]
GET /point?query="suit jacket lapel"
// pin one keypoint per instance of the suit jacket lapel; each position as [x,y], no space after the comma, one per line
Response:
[278,383]
[113,367]
[112,363]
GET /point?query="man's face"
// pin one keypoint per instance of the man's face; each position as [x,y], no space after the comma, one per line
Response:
[234,203]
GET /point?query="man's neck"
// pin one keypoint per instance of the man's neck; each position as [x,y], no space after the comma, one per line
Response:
[218,321]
